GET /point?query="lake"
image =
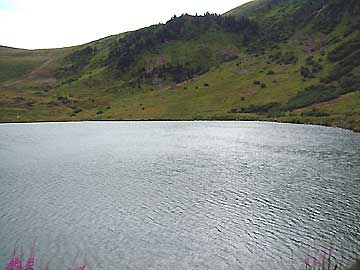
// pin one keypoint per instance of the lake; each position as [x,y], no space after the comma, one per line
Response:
[178,195]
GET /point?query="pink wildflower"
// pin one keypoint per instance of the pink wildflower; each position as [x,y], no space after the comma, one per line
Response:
[14,264]
[10,265]
[29,264]
[19,264]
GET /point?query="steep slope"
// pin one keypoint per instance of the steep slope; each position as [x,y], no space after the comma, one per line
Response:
[293,60]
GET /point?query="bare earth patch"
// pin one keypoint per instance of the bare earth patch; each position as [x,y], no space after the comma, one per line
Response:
[319,104]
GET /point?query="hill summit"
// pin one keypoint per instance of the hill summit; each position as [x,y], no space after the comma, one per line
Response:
[279,60]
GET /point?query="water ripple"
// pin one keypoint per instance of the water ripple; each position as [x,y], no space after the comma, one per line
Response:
[179,195]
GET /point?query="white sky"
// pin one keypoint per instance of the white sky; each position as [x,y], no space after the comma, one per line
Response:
[35,24]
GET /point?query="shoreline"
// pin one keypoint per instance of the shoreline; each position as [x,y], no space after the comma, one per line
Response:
[179,120]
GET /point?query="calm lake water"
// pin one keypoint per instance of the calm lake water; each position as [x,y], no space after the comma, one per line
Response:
[178,195]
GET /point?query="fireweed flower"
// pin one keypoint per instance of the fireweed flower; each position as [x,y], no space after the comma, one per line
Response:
[14,264]
[19,264]
[30,264]
[11,265]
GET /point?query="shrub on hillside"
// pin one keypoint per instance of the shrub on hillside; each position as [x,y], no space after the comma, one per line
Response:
[126,51]
[305,72]
[345,66]
[313,94]
[64,100]
[344,50]
[261,109]
[76,61]
[314,113]
[289,58]
[286,58]
[349,83]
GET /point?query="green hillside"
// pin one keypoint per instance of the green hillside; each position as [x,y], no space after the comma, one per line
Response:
[277,60]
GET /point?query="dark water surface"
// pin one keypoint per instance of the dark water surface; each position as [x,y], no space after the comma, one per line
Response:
[179,195]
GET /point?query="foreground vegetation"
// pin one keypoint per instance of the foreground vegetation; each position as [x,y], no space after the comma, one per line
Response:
[289,61]
[327,261]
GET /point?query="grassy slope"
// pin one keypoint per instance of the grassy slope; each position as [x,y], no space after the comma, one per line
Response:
[29,90]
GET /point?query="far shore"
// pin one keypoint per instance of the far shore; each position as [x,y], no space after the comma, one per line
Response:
[278,121]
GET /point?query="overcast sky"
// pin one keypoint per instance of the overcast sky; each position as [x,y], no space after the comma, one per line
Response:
[35,24]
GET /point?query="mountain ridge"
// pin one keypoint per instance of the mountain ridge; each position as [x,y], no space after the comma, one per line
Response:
[200,67]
